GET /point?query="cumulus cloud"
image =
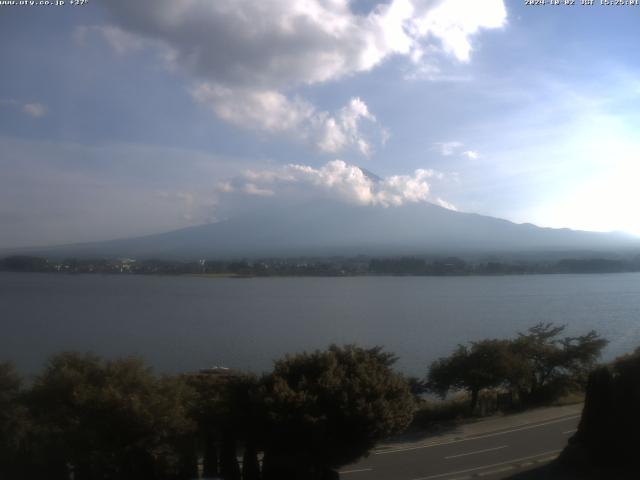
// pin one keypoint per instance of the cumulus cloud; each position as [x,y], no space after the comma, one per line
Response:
[470,154]
[454,22]
[249,55]
[337,180]
[271,111]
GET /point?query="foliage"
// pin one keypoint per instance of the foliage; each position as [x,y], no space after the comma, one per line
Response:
[433,412]
[537,364]
[115,419]
[608,430]
[314,266]
[483,364]
[109,419]
[227,410]
[13,421]
[328,408]
[546,366]
[417,387]
[24,263]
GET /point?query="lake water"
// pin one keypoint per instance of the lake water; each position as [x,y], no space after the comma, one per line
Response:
[185,323]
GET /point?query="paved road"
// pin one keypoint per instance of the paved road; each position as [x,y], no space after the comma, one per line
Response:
[490,455]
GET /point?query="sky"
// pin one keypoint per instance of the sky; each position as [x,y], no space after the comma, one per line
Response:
[121,118]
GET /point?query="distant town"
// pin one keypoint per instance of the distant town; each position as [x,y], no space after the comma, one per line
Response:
[325,267]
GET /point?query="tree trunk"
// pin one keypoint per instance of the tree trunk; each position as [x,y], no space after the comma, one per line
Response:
[188,465]
[229,468]
[210,460]
[250,465]
[275,467]
[474,399]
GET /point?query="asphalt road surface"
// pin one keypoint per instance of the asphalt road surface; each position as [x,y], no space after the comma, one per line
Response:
[490,455]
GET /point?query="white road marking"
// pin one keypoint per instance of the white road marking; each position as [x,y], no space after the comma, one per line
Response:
[476,452]
[570,431]
[496,471]
[546,459]
[344,472]
[449,442]
[485,467]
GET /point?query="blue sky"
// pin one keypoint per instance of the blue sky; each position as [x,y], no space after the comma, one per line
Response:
[124,118]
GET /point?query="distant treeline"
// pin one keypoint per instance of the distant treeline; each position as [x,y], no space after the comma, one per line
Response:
[334,266]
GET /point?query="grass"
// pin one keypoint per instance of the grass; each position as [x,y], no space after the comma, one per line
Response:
[569,399]
[432,411]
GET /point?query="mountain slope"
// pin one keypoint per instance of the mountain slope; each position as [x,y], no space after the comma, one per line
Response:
[326,228]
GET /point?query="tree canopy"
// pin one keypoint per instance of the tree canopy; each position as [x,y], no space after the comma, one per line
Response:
[483,364]
[328,408]
[546,364]
[108,419]
[538,364]
[13,421]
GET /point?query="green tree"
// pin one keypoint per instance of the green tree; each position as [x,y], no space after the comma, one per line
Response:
[607,435]
[110,420]
[483,364]
[328,408]
[544,365]
[229,413]
[14,422]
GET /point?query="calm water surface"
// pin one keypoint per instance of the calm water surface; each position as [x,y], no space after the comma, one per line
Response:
[185,323]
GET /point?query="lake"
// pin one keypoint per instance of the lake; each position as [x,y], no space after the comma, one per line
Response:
[183,323]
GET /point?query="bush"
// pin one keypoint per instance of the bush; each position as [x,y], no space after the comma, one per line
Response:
[431,412]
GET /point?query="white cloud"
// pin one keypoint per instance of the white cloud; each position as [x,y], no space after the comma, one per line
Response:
[338,180]
[344,130]
[271,111]
[453,22]
[249,55]
[252,189]
[36,110]
[444,204]
[448,148]
[261,109]
[121,41]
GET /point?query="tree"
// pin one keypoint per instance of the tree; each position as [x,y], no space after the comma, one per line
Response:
[229,412]
[24,263]
[545,365]
[13,422]
[607,435]
[328,408]
[110,420]
[538,364]
[480,365]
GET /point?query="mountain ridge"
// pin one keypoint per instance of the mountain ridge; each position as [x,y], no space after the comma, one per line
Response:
[332,228]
